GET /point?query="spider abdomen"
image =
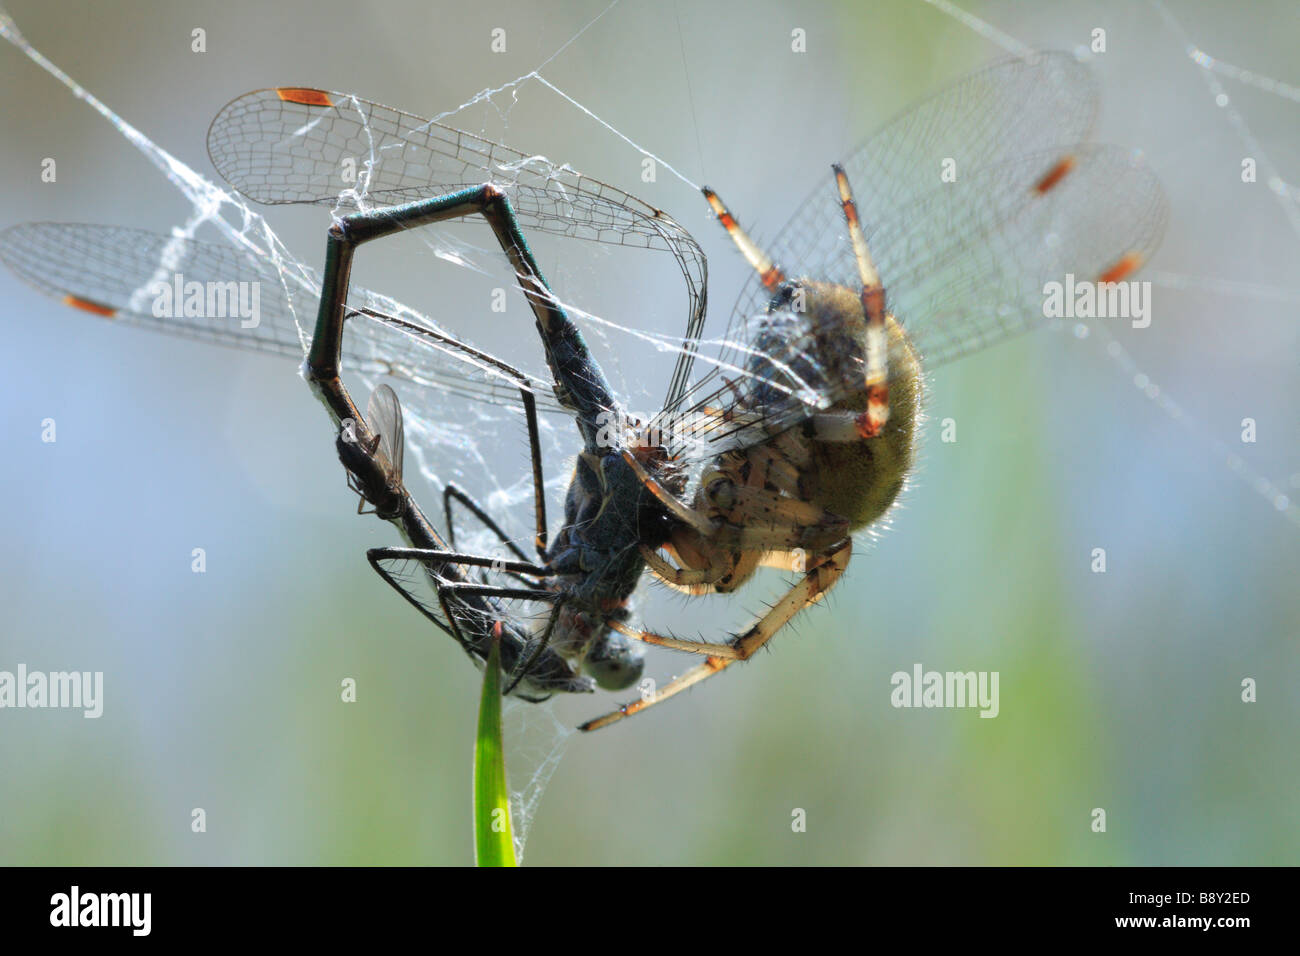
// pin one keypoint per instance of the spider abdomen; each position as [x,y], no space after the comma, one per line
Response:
[841,470]
[860,479]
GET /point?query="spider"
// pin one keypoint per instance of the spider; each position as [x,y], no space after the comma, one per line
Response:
[806,475]
[792,500]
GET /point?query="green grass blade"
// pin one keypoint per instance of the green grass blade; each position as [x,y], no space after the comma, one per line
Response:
[494,843]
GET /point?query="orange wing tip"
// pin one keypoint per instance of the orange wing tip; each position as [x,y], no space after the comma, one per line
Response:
[1128,264]
[1055,175]
[304,97]
[87,305]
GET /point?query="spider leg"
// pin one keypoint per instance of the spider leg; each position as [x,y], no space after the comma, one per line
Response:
[816,582]
[781,462]
[724,559]
[692,580]
[730,650]
[762,519]
[677,643]
[772,520]
[873,306]
[846,426]
[784,560]
[779,511]
[730,565]
[697,519]
[768,271]
[762,522]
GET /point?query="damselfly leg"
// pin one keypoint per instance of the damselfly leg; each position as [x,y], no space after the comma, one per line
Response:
[454,492]
[565,349]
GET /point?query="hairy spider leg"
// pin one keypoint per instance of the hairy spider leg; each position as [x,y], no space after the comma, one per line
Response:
[816,582]
[873,307]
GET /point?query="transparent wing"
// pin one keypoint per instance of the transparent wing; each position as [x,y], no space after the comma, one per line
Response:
[462,406]
[384,415]
[1006,110]
[314,146]
[966,266]
[121,273]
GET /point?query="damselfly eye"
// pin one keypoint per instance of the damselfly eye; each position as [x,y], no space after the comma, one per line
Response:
[615,662]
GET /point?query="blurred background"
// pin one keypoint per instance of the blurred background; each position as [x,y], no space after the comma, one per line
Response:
[1119,691]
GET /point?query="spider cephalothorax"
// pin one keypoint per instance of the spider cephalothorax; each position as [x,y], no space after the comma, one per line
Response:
[790,498]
